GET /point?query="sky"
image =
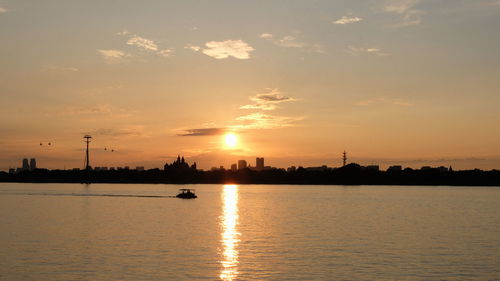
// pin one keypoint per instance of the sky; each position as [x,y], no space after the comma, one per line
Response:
[408,82]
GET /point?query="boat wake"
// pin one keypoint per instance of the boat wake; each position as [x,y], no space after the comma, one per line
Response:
[85,195]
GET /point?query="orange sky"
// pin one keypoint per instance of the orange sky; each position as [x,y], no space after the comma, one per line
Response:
[409,82]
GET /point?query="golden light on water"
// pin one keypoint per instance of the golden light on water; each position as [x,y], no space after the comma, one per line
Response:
[230,234]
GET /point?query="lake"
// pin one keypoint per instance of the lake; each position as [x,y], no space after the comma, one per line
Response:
[248,232]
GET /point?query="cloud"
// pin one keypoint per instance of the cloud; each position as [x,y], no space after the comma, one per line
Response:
[202,132]
[254,121]
[3,10]
[383,100]
[266,36]
[405,8]
[192,47]
[267,101]
[60,69]
[123,33]
[165,52]
[101,109]
[142,43]
[229,48]
[258,121]
[374,51]
[347,19]
[145,44]
[113,56]
[290,41]
[492,3]
[131,131]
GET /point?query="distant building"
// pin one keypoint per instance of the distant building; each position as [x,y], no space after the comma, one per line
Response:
[242,164]
[372,168]
[12,170]
[442,169]
[32,164]
[259,163]
[139,168]
[26,165]
[318,169]
[426,168]
[179,166]
[234,167]
[291,169]
[396,168]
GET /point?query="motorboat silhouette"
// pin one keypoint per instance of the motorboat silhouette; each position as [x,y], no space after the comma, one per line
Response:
[186,193]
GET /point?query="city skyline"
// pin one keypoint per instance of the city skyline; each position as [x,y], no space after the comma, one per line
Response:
[402,82]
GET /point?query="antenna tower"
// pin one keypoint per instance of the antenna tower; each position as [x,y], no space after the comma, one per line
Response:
[344,157]
[87,159]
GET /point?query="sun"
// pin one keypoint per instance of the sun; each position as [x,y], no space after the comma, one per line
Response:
[231,140]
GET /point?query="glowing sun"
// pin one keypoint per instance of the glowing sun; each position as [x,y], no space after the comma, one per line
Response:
[231,140]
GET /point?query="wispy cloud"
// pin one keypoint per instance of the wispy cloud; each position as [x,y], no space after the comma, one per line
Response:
[3,10]
[128,131]
[405,8]
[383,100]
[359,50]
[290,41]
[225,49]
[98,110]
[143,43]
[261,121]
[492,2]
[165,52]
[347,19]
[113,56]
[266,36]
[60,69]
[267,101]
[192,47]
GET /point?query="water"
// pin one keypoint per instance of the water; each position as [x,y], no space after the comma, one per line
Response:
[266,232]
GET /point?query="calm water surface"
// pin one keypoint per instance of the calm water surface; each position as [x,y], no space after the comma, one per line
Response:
[261,232]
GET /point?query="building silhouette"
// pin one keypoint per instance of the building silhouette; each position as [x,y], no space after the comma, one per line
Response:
[259,163]
[242,164]
[395,168]
[179,165]
[32,164]
[26,165]
[234,167]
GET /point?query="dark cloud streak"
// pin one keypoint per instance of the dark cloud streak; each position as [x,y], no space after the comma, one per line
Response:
[202,132]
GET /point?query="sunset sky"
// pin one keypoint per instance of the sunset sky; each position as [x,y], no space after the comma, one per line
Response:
[411,82]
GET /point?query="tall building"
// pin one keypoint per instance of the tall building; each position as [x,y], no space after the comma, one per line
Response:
[32,164]
[242,164]
[234,167]
[26,165]
[259,164]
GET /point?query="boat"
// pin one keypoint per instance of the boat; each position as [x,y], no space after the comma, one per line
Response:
[186,193]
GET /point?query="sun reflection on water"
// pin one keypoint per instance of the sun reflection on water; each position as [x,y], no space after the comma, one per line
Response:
[230,234]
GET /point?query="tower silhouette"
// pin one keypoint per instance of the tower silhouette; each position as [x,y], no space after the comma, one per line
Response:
[344,158]
[87,159]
